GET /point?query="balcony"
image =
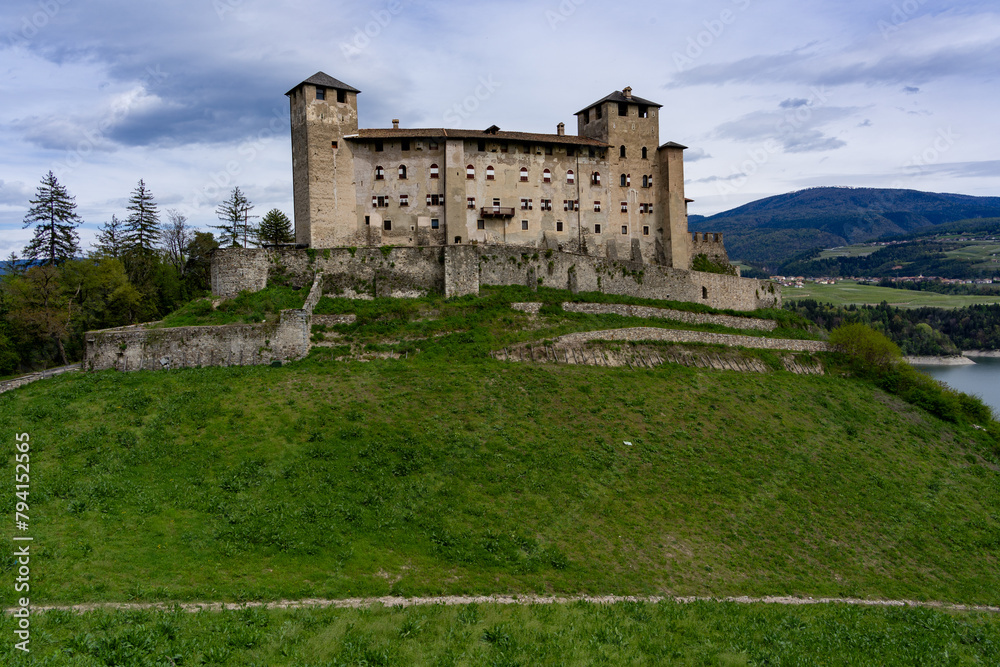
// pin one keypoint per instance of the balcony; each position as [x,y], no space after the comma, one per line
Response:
[496,212]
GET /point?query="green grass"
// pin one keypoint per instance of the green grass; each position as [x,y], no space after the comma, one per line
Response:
[440,475]
[700,633]
[848,292]
[247,307]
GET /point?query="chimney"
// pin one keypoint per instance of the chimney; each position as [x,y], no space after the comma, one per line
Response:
[561,129]
[395,123]
[627,92]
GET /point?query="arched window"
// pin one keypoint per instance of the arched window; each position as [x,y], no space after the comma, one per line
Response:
[645,181]
[621,151]
[570,178]
[524,174]
[621,180]
[490,173]
[643,152]
[402,172]
[434,171]
[379,173]
[546,176]
[595,178]
[470,171]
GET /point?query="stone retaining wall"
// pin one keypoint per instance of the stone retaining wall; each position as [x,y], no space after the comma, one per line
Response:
[678,336]
[140,348]
[669,314]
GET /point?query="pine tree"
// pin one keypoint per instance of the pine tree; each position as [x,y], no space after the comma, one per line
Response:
[111,239]
[53,212]
[234,213]
[275,227]
[142,227]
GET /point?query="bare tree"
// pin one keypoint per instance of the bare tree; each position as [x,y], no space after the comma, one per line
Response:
[175,237]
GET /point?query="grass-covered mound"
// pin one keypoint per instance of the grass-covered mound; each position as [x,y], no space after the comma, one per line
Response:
[666,633]
[444,474]
[246,307]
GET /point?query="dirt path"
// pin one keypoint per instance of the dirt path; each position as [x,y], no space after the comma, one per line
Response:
[390,601]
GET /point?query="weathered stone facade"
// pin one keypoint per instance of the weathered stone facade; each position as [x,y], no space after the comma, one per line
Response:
[611,191]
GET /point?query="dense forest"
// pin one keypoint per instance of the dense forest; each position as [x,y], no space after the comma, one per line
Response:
[917,331]
[141,268]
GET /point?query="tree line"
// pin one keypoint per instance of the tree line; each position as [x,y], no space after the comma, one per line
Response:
[917,331]
[927,258]
[141,267]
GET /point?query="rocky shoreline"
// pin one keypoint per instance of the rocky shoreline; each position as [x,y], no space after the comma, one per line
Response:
[940,361]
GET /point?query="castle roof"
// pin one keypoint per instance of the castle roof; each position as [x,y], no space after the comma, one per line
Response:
[619,96]
[673,144]
[444,133]
[326,81]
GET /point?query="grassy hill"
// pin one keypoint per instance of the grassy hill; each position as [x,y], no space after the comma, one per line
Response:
[770,230]
[449,473]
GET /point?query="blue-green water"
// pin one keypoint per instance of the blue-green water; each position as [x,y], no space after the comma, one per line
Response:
[982,379]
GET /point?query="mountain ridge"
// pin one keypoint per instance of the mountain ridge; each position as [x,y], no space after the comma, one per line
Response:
[769,230]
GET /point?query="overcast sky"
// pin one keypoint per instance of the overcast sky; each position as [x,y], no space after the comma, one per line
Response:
[770,95]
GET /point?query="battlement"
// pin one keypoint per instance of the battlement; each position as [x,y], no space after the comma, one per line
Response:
[709,244]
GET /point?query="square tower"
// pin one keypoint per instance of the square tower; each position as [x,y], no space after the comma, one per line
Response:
[324,111]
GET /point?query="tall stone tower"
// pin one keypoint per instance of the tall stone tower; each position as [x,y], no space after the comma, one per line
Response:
[646,179]
[323,111]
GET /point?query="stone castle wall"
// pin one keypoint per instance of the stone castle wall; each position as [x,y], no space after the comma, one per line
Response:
[458,270]
[139,347]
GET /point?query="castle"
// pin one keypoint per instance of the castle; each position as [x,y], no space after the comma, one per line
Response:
[610,191]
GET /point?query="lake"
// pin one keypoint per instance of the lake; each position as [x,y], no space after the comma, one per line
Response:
[983,379]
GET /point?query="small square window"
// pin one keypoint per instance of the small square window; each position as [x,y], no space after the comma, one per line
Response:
[622,109]
[471,202]
[645,230]
[481,145]
[597,228]
[435,223]
[333,144]
[480,224]
[387,225]
[320,93]
[341,96]
[405,145]
[524,224]
[624,229]
[559,225]
[432,145]
[379,146]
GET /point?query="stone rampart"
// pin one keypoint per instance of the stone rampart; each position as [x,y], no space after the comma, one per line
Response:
[462,269]
[504,265]
[136,348]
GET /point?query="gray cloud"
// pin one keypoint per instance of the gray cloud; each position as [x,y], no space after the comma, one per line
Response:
[794,131]
[808,66]
[910,90]
[794,103]
[695,154]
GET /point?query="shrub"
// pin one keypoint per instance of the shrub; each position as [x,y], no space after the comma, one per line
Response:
[867,350]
